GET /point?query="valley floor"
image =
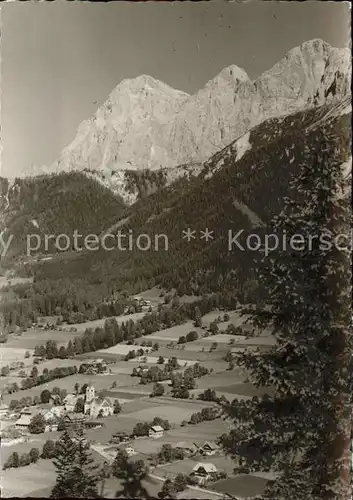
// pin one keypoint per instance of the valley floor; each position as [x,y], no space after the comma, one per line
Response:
[138,406]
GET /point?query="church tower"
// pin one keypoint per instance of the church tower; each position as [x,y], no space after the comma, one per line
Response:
[90,394]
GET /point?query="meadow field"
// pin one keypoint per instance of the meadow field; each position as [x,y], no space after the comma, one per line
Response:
[38,336]
[10,354]
[81,327]
[137,405]
[23,480]
[37,480]
[242,485]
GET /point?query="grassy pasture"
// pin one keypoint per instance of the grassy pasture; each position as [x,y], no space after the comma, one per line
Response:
[20,482]
[173,333]
[174,414]
[37,336]
[174,410]
[10,354]
[244,485]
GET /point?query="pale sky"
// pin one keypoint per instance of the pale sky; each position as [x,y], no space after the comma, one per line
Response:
[61,60]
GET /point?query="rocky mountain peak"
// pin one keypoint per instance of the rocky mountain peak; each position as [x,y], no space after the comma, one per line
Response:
[146,124]
[232,74]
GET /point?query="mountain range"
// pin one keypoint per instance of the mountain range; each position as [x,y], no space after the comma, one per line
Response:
[261,132]
[147,125]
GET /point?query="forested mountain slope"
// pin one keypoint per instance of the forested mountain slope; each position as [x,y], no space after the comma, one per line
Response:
[239,188]
[53,205]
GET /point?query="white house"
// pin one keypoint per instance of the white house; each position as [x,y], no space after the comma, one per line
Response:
[203,471]
[209,448]
[130,451]
[156,431]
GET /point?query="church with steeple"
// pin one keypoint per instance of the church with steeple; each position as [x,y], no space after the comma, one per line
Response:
[97,406]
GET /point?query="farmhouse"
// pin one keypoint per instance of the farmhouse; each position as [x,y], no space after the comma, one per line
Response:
[141,370]
[28,411]
[23,422]
[186,447]
[93,424]
[70,402]
[156,431]
[203,471]
[97,406]
[73,420]
[120,437]
[209,448]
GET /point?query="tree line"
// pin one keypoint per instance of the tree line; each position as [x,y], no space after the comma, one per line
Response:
[113,333]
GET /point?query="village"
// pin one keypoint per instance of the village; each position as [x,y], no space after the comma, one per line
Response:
[130,402]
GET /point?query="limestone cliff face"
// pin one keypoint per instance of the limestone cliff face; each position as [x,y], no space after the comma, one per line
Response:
[145,124]
[231,104]
[128,131]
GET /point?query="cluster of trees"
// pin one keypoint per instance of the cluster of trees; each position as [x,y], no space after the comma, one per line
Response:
[49,451]
[15,460]
[91,369]
[234,330]
[131,475]
[112,333]
[37,424]
[189,337]
[142,428]
[168,454]
[7,369]
[171,488]
[158,390]
[155,373]
[56,394]
[209,395]
[206,414]
[183,382]
[231,360]
[47,375]
[149,343]
[134,353]
[144,182]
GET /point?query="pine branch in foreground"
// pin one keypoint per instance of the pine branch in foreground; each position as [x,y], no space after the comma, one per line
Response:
[65,458]
[77,474]
[85,470]
[303,431]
